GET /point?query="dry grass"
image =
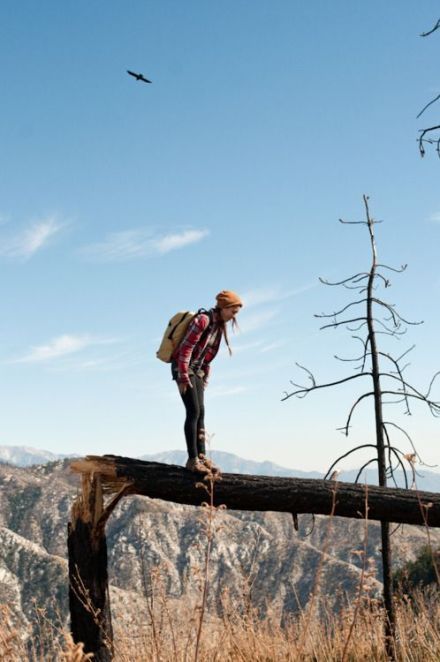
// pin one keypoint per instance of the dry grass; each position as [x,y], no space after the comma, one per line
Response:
[51,644]
[170,635]
[217,626]
[240,634]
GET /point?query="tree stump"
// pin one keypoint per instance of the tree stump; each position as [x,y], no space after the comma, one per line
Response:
[89,599]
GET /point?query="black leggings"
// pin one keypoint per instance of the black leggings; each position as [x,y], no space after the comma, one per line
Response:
[193,399]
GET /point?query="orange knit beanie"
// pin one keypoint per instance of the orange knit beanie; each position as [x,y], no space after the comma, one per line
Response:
[226,299]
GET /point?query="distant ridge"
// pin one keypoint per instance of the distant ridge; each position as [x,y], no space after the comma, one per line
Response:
[230,463]
[25,456]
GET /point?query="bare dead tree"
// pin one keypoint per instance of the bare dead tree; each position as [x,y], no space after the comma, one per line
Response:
[429,135]
[372,316]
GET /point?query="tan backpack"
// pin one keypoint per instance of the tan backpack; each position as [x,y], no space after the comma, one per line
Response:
[175,333]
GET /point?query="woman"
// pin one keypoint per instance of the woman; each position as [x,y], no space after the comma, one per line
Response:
[190,368]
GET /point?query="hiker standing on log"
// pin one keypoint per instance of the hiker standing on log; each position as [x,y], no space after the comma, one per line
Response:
[190,368]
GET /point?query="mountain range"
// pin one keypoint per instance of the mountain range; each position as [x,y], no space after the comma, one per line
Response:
[24,456]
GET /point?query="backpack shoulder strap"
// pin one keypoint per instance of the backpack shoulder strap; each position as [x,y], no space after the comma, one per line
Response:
[203,311]
[206,331]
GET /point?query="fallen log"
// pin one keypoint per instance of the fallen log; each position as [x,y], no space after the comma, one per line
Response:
[115,477]
[263,493]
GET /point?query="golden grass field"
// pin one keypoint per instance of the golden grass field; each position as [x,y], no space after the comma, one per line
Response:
[169,634]
[219,624]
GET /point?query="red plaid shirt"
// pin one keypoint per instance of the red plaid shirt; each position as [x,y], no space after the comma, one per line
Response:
[195,352]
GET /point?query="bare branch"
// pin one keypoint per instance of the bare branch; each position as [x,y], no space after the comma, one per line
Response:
[335,324]
[356,288]
[436,27]
[399,376]
[391,309]
[432,382]
[353,303]
[388,331]
[405,353]
[341,457]
[315,386]
[393,332]
[359,222]
[393,450]
[389,471]
[356,278]
[361,358]
[364,342]
[422,137]
[418,394]
[356,328]
[386,282]
[432,141]
[433,406]
[407,436]
[427,105]
[396,402]
[364,466]
[352,222]
[362,397]
[309,373]
[341,282]
[339,358]
[403,392]
[360,278]
[398,271]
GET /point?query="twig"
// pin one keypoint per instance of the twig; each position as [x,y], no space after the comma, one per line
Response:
[436,27]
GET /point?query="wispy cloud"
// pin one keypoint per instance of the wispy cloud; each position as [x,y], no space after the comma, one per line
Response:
[31,239]
[102,362]
[135,244]
[253,321]
[119,246]
[60,347]
[435,217]
[271,346]
[265,295]
[172,242]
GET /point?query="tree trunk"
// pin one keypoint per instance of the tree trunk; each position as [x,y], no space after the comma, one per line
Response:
[263,493]
[88,581]
[390,623]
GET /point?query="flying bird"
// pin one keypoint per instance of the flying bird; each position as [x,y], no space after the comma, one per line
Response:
[138,76]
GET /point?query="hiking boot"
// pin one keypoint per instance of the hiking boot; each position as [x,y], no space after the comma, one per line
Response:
[194,464]
[209,463]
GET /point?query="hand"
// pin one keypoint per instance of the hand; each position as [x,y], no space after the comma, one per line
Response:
[184,387]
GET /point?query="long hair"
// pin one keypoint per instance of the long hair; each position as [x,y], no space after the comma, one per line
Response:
[223,326]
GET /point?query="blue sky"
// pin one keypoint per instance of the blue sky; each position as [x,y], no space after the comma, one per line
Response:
[121,203]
